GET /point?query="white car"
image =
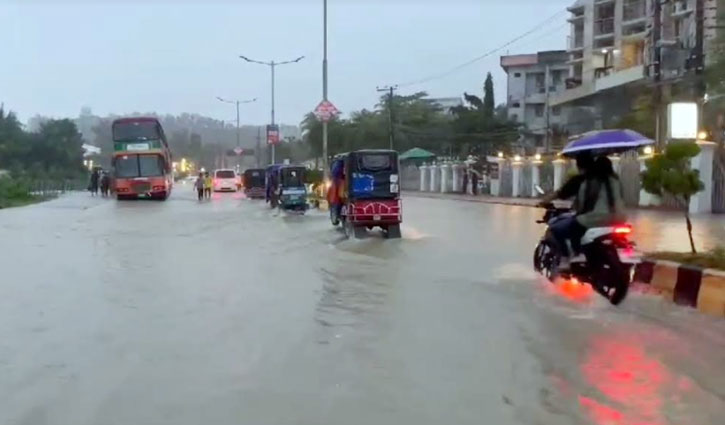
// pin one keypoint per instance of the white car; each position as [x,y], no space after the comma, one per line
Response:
[225,181]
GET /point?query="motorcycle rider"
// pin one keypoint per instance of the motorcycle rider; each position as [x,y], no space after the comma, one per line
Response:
[598,202]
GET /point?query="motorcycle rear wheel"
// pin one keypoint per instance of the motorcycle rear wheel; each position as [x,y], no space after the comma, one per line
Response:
[611,277]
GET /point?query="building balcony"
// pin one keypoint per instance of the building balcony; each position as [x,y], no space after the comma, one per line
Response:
[575,43]
[604,28]
[610,78]
[681,9]
[634,12]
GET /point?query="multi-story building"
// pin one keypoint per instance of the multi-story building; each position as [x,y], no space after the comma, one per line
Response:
[617,48]
[532,80]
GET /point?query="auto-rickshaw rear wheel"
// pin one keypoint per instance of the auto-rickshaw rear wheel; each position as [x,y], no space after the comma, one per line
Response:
[392,231]
[352,231]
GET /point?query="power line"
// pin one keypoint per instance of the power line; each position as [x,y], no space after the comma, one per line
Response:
[485,55]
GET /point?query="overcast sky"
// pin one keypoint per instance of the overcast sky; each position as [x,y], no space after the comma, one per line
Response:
[177,56]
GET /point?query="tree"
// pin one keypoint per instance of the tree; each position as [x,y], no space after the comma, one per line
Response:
[670,173]
[489,104]
[641,117]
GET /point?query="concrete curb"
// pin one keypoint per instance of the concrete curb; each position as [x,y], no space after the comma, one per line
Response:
[703,289]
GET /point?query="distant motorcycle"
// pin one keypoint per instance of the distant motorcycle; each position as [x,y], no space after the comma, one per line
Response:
[606,258]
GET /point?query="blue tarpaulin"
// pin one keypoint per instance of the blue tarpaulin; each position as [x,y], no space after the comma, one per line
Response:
[362,183]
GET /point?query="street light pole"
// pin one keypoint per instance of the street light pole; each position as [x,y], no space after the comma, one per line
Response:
[237,103]
[272,65]
[325,166]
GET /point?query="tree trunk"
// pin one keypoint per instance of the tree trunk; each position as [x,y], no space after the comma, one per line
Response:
[689,225]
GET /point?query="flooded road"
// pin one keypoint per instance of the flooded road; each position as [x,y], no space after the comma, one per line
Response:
[226,313]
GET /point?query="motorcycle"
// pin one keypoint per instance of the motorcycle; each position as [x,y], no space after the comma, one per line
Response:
[605,257]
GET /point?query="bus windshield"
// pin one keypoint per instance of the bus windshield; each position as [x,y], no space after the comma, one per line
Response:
[129,166]
[136,130]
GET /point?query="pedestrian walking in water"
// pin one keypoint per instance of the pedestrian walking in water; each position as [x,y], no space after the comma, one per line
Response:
[199,186]
[105,184]
[207,185]
[93,183]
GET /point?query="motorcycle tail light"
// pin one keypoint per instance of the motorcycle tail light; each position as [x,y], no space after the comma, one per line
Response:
[623,230]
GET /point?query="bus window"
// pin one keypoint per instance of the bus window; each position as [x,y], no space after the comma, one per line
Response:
[137,130]
[150,165]
[126,166]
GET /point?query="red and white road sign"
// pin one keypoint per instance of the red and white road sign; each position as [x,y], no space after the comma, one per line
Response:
[326,111]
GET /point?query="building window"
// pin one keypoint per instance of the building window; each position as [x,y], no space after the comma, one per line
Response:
[556,111]
[515,117]
[556,77]
[539,110]
[517,75]
[516,105]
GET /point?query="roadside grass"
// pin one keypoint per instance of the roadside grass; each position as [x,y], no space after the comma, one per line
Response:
[714,259]
[17,193]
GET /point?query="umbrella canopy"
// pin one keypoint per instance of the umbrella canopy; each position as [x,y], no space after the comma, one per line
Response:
[417,154]
[606,142]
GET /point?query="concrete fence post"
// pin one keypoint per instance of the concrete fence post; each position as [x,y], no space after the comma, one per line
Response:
[535,178]
[559,167]
[445,178]
[455,177]
[424,185]
[702,201]
[646,199]
[434,174]
[516,179]
[496,175]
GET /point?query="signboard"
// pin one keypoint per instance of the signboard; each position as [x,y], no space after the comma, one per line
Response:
[326,111]
[138,147]
[682,120]
[273,134]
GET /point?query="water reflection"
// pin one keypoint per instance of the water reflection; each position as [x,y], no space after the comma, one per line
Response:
[630,386]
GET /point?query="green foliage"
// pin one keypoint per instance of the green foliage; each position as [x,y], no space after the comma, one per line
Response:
[54,150]
[488,100]
[642,117]
[671,173]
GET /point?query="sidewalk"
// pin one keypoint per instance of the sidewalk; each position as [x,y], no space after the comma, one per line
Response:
[486,199]
[654,230]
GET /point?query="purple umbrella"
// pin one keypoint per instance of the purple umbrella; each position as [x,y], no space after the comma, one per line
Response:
[606,142]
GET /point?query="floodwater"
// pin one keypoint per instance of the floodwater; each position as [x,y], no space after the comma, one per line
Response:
[225,312]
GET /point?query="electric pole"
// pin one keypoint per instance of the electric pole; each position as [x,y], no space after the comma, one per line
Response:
[391,95]
[657,70]
[272,64]
[325,166]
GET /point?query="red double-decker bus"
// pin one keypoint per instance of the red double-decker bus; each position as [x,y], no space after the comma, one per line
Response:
[141,159]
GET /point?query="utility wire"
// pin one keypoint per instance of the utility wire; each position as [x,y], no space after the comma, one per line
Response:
[485,55]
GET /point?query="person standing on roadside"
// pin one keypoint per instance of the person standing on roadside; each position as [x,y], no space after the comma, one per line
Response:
[207,185]
[93,184]
[199,186]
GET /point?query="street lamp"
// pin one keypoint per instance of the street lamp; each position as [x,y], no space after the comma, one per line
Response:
[272,64]
[236,102]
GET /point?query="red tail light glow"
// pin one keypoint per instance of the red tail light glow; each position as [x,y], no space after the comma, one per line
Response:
[623,230]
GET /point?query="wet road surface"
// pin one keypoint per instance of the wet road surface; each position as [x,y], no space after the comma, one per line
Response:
[225,313]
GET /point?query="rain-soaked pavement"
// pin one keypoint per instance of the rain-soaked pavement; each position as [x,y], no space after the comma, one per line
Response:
[224,313]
